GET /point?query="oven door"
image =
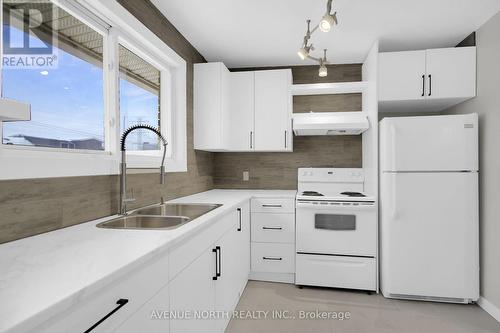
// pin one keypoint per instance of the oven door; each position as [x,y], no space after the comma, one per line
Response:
[337,228]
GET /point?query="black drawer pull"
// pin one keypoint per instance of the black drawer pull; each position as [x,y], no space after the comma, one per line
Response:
[272,228]
[271,258]
[239,216]
[423,85]
[121,302]
[272,206]
[216,264]
[219,273]
[430,84]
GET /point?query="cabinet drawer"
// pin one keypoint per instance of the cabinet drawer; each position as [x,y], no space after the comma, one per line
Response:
[336,271]
[273,205]
[137,287]
[273,258]
[273,228]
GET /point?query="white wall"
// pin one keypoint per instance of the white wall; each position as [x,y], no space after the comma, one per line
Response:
[487,105]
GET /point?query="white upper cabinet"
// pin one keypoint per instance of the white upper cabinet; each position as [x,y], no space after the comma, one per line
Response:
[427,80]
[211,99]
[242,111]
[451,72]
[273,100]
[401,75]
[240,118]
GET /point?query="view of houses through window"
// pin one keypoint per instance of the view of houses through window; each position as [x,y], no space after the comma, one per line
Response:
[67,98]
[67,102]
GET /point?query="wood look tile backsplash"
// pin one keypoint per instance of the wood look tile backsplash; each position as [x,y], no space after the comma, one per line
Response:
[279,170]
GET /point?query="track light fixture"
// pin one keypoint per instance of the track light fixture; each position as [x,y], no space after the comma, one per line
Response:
[327,22]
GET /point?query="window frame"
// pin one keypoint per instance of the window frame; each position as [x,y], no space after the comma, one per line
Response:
[120,27]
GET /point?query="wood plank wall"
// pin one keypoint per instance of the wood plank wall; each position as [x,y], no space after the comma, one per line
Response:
[279,170]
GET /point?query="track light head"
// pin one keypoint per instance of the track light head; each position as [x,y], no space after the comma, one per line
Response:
[328,21]
[304,52]
[323,71]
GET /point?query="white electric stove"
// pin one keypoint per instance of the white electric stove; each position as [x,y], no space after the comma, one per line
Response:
[336,230]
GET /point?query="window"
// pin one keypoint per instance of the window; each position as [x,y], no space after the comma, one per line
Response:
[66,96]
[111,72]
[139,86]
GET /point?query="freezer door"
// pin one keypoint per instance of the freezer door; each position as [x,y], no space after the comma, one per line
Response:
[434,143]
[429,237]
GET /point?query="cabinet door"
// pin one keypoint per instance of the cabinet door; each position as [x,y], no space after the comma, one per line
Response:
[244,246]
[227,286]
[210,100]
[193,290]
[239,125]
[273,110]
[402,75]
[451,73]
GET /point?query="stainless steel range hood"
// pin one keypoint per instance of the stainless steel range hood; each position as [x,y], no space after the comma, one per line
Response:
[330,123]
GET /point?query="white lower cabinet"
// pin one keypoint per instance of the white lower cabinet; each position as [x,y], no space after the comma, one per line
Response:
[106,309]
[194,287]
[192,292]
[227,285]
[273,239]
[212,284]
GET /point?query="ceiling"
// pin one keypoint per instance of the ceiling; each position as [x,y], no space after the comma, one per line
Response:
[247,33]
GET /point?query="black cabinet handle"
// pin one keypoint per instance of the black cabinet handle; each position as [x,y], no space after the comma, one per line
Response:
[285,139]
[121,302]
[251,139]
[430,84]
[271,258]
[272,206]
[219,260]
[272,228]
[216,264]
[423,85]
[239,216]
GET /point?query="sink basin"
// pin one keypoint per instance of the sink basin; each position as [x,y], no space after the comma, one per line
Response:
[145,222]
[191,211]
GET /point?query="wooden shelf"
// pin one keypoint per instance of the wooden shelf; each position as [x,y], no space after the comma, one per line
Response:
[11,110]
[329,88]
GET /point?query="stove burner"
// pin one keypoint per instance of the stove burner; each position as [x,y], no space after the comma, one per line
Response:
[312,194]
[353,194]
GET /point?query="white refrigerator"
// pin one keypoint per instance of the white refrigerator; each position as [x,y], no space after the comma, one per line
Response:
[429,214]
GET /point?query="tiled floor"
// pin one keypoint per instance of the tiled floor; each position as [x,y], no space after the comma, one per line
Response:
[368,313]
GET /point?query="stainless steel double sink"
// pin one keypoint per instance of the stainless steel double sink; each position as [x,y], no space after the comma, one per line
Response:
[160,216]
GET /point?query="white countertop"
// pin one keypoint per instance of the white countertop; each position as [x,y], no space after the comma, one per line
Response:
[44,274]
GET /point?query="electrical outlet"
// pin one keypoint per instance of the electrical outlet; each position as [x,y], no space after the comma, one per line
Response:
[246,176]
